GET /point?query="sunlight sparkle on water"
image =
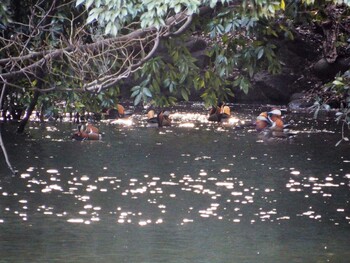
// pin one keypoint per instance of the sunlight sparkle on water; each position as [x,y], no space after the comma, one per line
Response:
[91,188]
[159,221]
[233,120]
[125,122]
[228,185]
[185,117]
[187,125]
[313,179]
[51,128]
[52,187]
[75,220]
[25,175]
[145,222]
[84,178]
[210,183]
[52,171]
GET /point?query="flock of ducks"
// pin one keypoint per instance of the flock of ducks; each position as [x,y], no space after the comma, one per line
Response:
[268,123]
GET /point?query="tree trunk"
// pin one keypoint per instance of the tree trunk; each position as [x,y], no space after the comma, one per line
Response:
[30,109]
[330,30]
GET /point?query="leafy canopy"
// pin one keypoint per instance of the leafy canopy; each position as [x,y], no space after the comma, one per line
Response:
[229,30]
[93,45]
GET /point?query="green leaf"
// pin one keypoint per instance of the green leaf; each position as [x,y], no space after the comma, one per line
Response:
[79,2]
[93,15]
[108,28]
[260,53]
[184,94]
[135,93]
[283,5]
[337,82]
[177,8]
[326,107]
[135,88]
[147,92]
[88,3]
[138,99]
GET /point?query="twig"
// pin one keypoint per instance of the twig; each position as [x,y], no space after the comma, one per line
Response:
[1,141]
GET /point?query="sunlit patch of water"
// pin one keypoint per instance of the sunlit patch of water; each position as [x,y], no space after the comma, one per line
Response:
[91,188]
[125,122]
[83,178]
[50,188]
[311,214]
[144,222]
[228,185]
[76,220]
[52,171]
[295,172]
[25,175]
[186,221]
[186,117]
[193,120]
[51,128]
[187,125]
[224,193]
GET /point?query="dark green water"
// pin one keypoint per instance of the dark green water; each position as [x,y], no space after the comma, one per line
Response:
[178,194]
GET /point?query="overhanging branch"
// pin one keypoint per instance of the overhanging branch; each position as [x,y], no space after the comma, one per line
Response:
[116,58]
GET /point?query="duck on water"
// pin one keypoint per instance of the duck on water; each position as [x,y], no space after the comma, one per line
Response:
[88,132]
[219,113]
[162,119]
[270,124]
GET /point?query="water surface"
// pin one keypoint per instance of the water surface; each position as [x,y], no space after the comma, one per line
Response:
[189,193]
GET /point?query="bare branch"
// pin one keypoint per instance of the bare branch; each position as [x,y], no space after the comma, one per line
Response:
[3,148]
[101,64]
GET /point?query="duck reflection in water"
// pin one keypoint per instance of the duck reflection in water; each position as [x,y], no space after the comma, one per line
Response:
[86,132]
[162,119]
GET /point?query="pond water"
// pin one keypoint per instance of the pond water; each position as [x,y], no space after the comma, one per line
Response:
[193,192]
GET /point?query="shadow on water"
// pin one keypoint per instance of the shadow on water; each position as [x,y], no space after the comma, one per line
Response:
[187,193]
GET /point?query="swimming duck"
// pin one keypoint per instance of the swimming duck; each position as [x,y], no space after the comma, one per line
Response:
[270,124]
[162,119]
[225,113]
[215,113]
[262,121]
[115,113]
[152,120]
[275,117]
[88,132]
[219,113]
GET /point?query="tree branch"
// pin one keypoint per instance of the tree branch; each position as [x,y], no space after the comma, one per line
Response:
[1,140]
[102,64]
